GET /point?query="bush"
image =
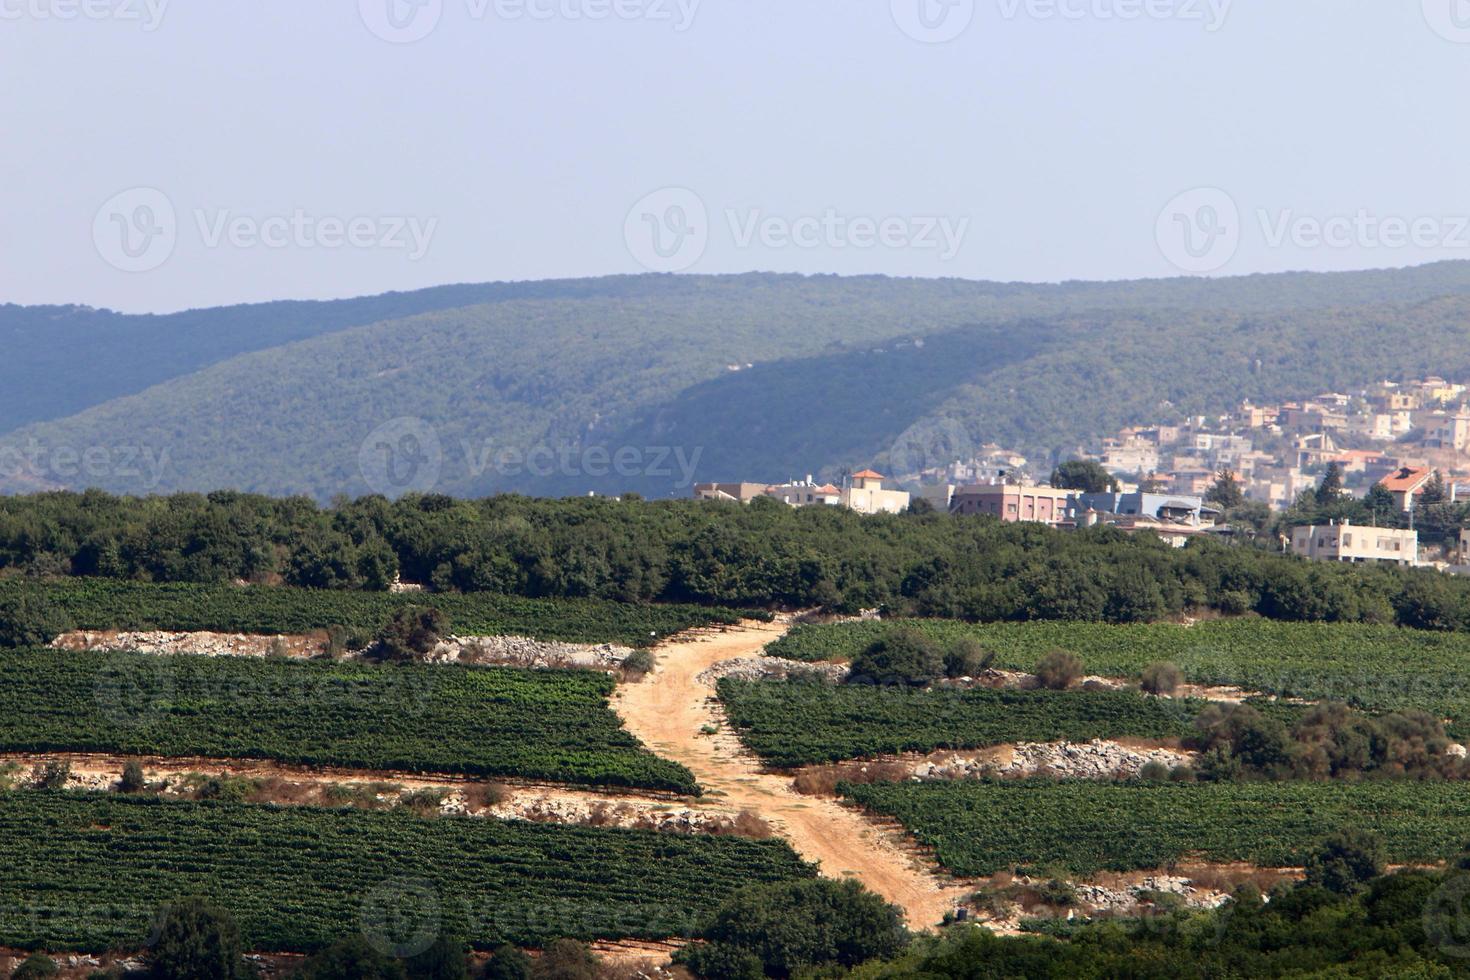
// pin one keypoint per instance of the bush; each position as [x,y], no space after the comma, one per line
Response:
[905,655]
[411,634]
[446,959]
[506,963]
[792,926]
[1059,670]
[1161,678]
[637,664]
[196,939]
[966,658]
[30,621]
[132,779]
[565,959]
[1154,771]
[35,967]
[1345,861]
[51,775]
[354,958]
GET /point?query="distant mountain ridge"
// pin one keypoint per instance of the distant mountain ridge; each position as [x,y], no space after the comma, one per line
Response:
[294,397]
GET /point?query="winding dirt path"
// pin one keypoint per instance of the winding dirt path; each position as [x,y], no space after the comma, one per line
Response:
[670,710]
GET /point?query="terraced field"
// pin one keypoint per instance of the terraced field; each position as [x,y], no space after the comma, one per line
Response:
[794,724]
[1375,667]
[89,873]
[481,721]
[1081,827]
[103,604]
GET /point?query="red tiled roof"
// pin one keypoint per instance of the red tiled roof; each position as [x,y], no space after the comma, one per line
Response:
[1407,479]
[867,475]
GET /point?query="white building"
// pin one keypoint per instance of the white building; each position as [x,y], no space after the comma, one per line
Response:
[1355,543]
[867,496]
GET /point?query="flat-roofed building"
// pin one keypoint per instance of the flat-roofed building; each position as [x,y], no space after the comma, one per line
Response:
[1350,542]
[1014,502]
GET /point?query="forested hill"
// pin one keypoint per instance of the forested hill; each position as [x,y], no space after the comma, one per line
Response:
[755,376]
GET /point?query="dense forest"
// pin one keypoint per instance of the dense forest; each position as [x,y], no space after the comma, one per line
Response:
[758,376]
[761,555]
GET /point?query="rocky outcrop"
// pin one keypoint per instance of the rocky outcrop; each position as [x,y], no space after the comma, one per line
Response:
[1087,760]
[769,669]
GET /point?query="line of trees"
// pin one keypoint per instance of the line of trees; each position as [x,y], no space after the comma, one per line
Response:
[759,555]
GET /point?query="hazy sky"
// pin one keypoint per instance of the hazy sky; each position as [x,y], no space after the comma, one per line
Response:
[158,155]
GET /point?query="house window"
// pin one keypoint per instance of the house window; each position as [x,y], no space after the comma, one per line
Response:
[1347,540]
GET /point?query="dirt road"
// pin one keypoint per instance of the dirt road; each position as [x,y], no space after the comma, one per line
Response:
[669,710]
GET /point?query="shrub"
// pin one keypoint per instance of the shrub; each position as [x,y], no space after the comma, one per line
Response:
[1345,861]
[905,655]
[793,926]
[51,775]
[1154,771]
[356,958]
[966,658]
[565,959]
[506,963]
[445,959]
[196,939]
[411,634]
[1161,678]
[132,779]
[29,621]
[35,967]
[637,664]
[1059,670]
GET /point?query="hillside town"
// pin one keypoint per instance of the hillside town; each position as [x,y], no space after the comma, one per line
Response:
[1396,444]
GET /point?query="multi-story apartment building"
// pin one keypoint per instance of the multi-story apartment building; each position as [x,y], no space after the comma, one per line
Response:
[1347,542]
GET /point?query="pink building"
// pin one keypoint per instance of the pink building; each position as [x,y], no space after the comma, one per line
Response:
[1013,503]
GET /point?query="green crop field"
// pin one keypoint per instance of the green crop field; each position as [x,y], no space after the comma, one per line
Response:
[90,872]
[793,724]
[101,604]
[1376,667]
[981,827]
[481,721]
